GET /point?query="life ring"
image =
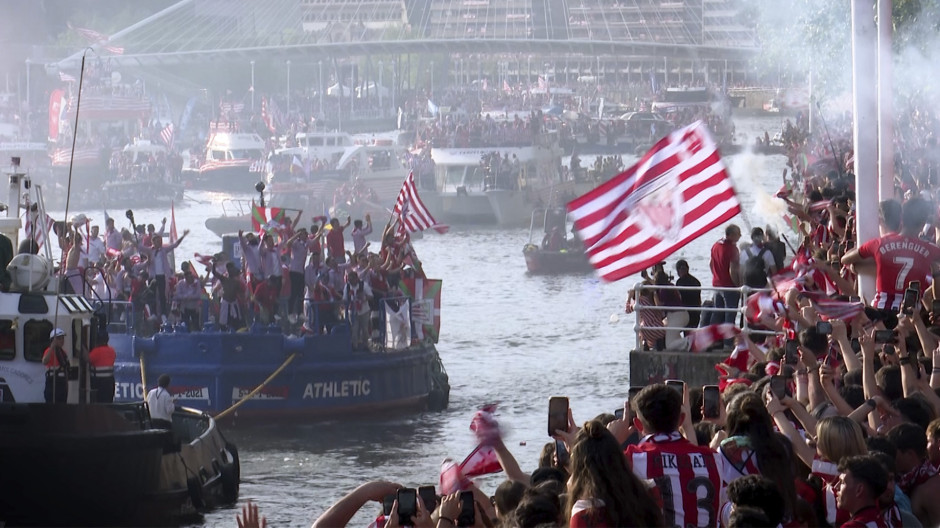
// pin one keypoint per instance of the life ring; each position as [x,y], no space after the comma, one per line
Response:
[194,486]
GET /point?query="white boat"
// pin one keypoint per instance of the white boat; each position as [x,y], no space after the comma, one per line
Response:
[507,193]
[232,161]
[326,146]
[382,166]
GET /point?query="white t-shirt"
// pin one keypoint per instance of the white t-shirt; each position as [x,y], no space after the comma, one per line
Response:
[161,404]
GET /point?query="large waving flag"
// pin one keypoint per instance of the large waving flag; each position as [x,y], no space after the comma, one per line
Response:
[411,211]
[678,191]
[38,228]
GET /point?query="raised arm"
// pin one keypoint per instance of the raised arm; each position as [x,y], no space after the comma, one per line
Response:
[340,513]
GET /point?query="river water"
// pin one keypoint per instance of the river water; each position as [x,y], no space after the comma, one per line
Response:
[506,337]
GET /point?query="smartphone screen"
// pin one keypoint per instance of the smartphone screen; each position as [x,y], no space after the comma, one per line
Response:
[618,414]
[387,502]
[884,336]
[407,506]
[824,327]
[677,385]
[910,300]
[557,414]
[561,453]
[711,401]
[467,515]
[778,384]
[429,497]
[889,349]
[793,352]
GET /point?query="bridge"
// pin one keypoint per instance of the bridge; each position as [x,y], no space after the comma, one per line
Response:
[240,31]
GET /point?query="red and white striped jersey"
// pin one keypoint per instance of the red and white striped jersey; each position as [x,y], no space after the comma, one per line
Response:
[898,261]
[869,517]
[686,478]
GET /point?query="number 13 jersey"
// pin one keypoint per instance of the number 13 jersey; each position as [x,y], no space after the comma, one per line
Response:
[685,478]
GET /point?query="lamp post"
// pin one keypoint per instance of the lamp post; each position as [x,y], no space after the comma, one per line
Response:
[288,87]
[431,88]
[320,65]
[27,83]
[380,87]
[252,86]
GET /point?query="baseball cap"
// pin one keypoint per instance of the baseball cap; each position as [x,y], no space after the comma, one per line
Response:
[58,332]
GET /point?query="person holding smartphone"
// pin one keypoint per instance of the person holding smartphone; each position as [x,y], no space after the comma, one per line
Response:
[899,258]
[659,412]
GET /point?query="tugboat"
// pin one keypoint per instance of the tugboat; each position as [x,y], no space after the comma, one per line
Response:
[555,253]
[80,463]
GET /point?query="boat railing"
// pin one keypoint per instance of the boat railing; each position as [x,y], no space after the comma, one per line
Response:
[738,310]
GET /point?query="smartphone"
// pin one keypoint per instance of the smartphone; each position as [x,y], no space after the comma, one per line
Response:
[935,307]
[910,300]
[885,336]
[855,298]
[557,414]
[914,285]
[792,352]
[429,497]
[561,453]
[467,515]
[677,385]
[778,384]
[711,400]
[407,506]
[824,327]
[387,502]
[618,414]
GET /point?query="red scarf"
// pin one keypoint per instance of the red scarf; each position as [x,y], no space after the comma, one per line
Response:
[916,477]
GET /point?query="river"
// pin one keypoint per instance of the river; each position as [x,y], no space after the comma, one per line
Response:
[506,337]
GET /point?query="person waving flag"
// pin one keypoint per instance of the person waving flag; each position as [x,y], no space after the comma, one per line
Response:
[678,191]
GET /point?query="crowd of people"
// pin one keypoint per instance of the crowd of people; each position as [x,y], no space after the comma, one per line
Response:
[302,280]
[826,411]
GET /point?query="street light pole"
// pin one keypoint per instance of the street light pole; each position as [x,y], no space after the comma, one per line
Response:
[288,87]
[252,86]
[27,83]
[320,64]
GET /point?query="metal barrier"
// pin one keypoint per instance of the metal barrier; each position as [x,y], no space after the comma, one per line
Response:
[743,293]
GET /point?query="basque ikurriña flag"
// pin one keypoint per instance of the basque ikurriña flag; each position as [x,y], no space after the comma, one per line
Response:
[676,192]
[265,218]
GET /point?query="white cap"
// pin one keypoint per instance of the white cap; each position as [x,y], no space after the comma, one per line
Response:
[58,332]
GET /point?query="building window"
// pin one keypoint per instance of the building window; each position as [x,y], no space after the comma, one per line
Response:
[35,339]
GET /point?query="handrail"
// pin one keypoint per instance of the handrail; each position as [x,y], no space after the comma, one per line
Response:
[744,292]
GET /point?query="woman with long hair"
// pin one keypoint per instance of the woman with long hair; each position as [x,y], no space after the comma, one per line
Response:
[753,447]
[602,490]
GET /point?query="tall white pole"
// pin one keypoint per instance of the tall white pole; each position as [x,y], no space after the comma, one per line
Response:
[885,106]
[864,100]
[288,87]
[27,83]
[252,86]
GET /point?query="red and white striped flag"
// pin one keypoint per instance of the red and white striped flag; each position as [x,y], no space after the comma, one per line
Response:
[411,211]
[167,136]
[37,229]
[678,191]
[64,77]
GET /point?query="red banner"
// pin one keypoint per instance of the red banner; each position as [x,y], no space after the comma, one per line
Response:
[55,109]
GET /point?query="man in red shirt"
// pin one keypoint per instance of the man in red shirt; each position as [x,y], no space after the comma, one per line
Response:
[725,266]
[687,477]
[899,257]
[861,481]
[335,243]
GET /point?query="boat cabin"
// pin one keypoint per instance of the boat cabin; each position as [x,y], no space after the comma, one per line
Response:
[232,146]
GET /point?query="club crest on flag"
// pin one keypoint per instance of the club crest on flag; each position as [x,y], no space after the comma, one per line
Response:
[658,206]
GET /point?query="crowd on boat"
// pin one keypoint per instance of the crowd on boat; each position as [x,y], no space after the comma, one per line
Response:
[297,279]
[481,131]
[826,412]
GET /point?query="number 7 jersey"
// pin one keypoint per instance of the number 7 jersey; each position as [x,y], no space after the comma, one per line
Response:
[685,478]
[898,260]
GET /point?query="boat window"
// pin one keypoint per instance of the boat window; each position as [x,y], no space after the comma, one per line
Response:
[331,141]
[474,178]
[454,175]
[7,340]
[315,142]
[35,338]
[218,154]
